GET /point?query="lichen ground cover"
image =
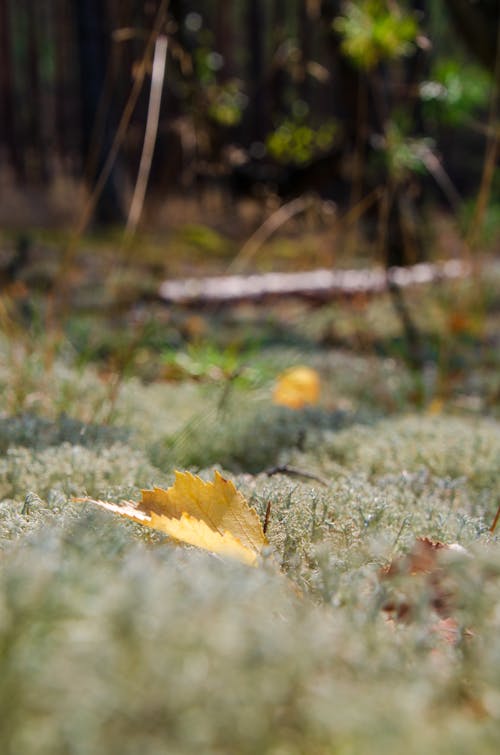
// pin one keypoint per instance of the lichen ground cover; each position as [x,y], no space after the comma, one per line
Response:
[114,639]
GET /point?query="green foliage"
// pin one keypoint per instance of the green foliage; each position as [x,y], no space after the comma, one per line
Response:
[206,361]
[203,237]
[223,102]
[296,142]
[374,30]
[226,103]
[489,232]
[455,91]
[404,155]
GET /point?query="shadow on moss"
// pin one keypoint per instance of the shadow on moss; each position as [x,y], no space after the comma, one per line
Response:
[33,431]
[248,438]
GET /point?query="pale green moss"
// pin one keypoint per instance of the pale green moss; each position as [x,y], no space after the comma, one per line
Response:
[114,640]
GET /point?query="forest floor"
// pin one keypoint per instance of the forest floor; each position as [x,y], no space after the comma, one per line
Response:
[114,640]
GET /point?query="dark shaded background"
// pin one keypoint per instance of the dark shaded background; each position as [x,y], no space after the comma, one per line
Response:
[260,98]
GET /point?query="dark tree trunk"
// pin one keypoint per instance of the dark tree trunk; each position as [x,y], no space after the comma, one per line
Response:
[305,41]
[7,96]
[66,110]
[38,162]
[477,23]
[94,42]
[255,50]
[278,81]
[224,37]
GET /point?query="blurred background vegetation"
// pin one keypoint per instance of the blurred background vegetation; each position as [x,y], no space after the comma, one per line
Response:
[290,136]
[383,110]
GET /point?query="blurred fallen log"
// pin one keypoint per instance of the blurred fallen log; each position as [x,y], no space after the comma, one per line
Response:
[315,286]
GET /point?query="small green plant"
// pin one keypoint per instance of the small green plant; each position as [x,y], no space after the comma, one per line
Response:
[226,103]
[203,238]
[375,30]
[294,141]
[455,91]
[207,362]
[404,155]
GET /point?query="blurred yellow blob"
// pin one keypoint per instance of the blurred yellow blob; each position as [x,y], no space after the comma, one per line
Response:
[435,407]
[297,387]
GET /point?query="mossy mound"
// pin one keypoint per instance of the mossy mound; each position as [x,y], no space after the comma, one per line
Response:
[115,640]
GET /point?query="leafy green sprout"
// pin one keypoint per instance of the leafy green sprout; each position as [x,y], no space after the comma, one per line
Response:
[405,155]
[226,103]
[208,362]
[371,32]
[297,142]
[455,91]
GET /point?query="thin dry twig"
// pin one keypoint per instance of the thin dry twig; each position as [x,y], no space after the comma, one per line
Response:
[267,517]
[90,205]
[266,230]
[286,469]
[287,212]
[495,520]
[157,78]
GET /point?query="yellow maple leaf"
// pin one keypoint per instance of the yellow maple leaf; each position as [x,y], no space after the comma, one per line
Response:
[210,515]
[297,387]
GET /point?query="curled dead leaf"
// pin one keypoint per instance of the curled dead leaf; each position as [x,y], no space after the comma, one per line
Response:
[424,561]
